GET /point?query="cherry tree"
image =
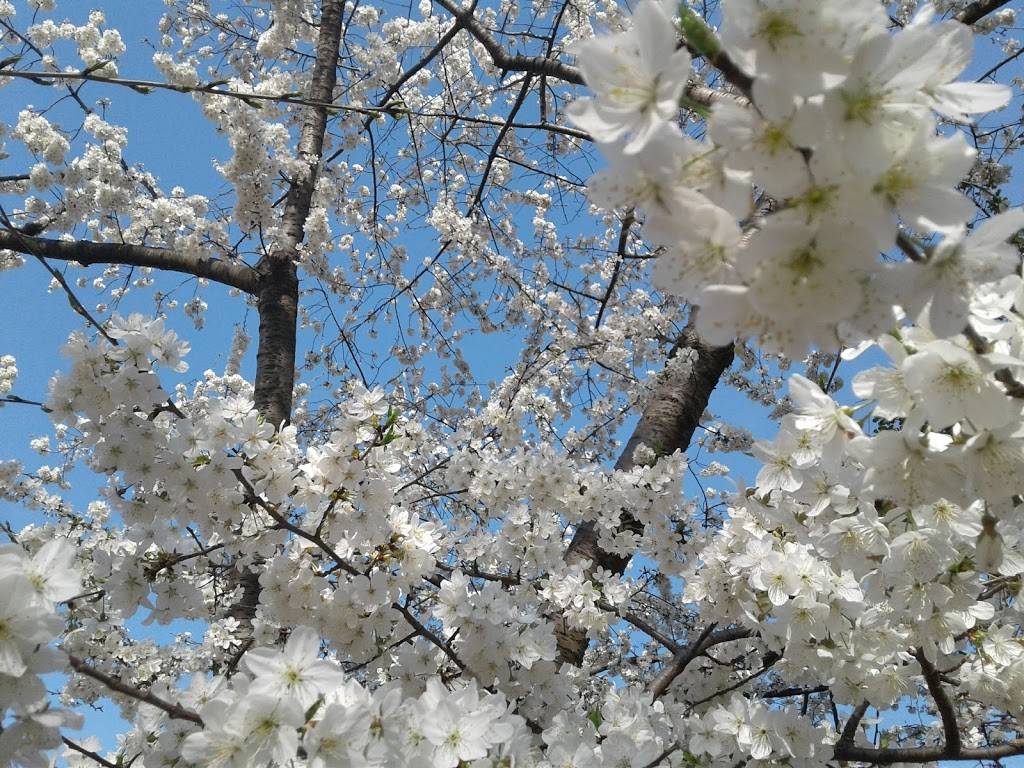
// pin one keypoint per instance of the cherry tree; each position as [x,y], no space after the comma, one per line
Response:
[395,561]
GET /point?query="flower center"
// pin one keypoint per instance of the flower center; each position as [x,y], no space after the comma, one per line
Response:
[894,184]
[861,105]
[777,27]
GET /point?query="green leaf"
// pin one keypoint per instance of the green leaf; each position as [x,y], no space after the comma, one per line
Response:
[594,716]
[313,708]
[699,37]
[9,61]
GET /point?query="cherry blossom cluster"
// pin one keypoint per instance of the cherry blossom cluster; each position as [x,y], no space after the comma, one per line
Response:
[856,548]
[257,718]
[880,538]
[31,589]
[346,550]
[98,48]
[8,373]
[834,138]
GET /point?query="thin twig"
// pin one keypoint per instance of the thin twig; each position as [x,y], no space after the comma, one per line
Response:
[22,401]
[620,254]
[431,637]
[657,761]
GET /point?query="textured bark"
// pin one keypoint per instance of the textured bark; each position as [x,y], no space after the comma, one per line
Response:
[666,425]
[278,303]
[86,253]
[682,657]
[277,293]
[976,11]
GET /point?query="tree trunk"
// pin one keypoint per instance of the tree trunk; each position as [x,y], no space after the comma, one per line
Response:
[666,425]
[277,293]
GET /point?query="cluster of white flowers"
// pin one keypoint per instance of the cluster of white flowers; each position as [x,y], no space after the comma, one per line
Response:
[285,28]
[860,543]
[97,48]
[836,127]
[257,718]
[31,587]
[8,373]
[746,729]
[97,181]
[853,549]
[355,569]
[40,137]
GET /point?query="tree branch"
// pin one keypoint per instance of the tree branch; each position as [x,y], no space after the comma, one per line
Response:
[667,752]
[978,10]
[508,62]
[277,289]
[679,662]
[846,750]
[666,426]
[22,401]
[684,656]
[143,86]
[927,754]
[947,713]
[406,76]
[502,132]
[546,66]
[850,729]
[782,693]
[254,499]
[644,626]
[620,252]
[770,659]
[76,303]
[176,711]
[425,633]
[87,253]
[94,756]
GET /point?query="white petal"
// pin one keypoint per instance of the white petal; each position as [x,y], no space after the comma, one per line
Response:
[960,99]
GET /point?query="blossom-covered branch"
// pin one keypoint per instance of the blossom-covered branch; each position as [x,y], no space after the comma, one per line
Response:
[174,710]
[86,252]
